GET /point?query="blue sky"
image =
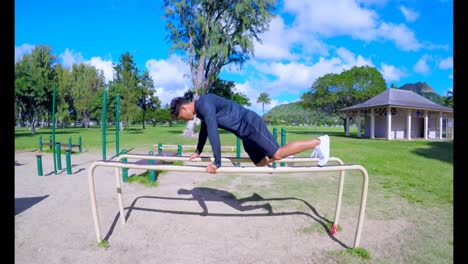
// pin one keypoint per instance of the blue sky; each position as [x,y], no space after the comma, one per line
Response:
[406,40]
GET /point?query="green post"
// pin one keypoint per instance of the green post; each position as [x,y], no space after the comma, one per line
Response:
[39,165]
[40,143]
[69,143]
[53,130]
[103,124]
[124,170]
[79,143]
[179,150]
[68,160]
[117,124]
[238,151]
[283,141]
[159,149]
[57,154]
[152,173]
[275,136]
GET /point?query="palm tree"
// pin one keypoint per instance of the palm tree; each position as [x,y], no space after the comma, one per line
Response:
[449,99]
[264,98]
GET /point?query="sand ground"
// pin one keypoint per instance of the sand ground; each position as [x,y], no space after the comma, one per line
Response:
[54,224]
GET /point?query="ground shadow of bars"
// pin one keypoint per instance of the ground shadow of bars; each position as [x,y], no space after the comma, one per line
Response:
[342,168]
[317,217]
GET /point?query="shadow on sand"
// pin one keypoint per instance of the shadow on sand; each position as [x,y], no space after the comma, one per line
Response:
[203,194]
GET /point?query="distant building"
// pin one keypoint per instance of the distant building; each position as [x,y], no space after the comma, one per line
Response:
[401,114]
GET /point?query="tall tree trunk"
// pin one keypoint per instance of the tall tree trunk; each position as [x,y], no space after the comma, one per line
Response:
[189,129]
[33,128]
[20,119]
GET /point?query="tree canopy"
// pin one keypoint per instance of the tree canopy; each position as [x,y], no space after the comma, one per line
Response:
[332,92]
[34,81]
[214,33]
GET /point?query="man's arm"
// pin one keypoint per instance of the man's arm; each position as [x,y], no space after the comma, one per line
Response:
[207,112]
[213,135]
[201,138]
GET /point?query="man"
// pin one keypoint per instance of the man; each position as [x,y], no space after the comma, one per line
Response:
[218,112]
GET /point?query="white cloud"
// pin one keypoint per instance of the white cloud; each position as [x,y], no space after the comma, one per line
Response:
[373,2]
[69,58]
[20,51]
[285,82]
[105,65]
[331,18]
[348,18]
[446,63]
[350,59]
[296,77]
[274,44]
[409,14]
[171,77]
[390,73]
[403,37]
[421,65]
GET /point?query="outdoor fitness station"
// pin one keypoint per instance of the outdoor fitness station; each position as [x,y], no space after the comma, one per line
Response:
[118,165]
[56,146]
[236,148]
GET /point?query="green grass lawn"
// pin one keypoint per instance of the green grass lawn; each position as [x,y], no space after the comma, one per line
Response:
[421,171]
[406,178]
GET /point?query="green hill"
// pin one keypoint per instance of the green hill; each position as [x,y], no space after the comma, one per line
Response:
[425,90]
[295,114]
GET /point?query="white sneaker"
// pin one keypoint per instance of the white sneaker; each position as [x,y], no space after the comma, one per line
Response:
[323,150]
[314,153]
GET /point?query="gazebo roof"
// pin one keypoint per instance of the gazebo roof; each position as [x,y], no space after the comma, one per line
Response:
[399,98]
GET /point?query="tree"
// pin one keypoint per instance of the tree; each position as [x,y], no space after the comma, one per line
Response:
[224,89]
[448,101]
[227,90]
[146,99]
[64,96]
[264,98]
[215,33]
[241,99]
[34,81]
[126,80]
[332,92]
[87,84]
[160,116]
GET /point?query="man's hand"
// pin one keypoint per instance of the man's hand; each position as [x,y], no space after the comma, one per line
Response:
[194,156]
[211,168]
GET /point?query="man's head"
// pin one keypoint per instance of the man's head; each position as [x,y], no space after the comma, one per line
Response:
[181,108]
